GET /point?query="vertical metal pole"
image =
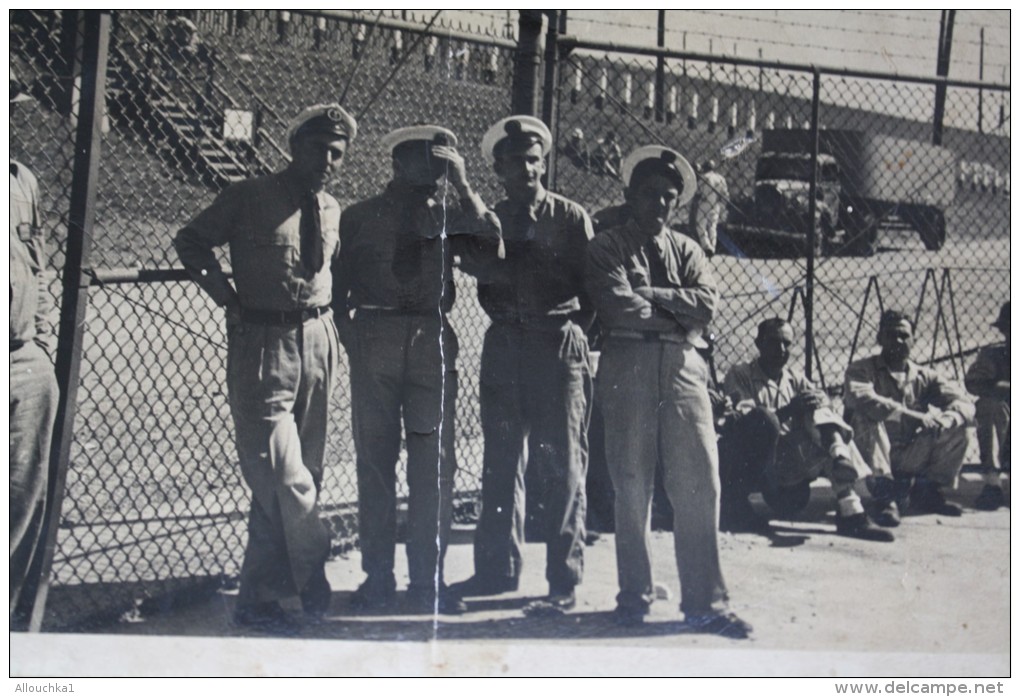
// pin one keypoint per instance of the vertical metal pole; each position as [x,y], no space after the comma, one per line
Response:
[761,72]
[527,60]
[812,233]
[74,301]
[550,90]
[981,92]
[67,68]
[711,66]
[660,71]
[942,69]
[684,62]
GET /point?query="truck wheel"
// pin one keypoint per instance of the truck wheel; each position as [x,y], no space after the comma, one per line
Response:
[931,224]
[787,501]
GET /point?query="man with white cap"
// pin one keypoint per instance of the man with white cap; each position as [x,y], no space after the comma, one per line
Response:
[535,385]
[396,276]
[282,230]
[33,386]
[655,295]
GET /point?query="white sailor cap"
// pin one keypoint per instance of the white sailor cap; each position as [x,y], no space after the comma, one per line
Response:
[323,118]
[663,161]
[437,135]
[522,129]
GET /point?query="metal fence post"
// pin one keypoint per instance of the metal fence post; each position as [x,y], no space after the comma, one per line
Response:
[550,89]
[527,59]
[812,232]
[74,300]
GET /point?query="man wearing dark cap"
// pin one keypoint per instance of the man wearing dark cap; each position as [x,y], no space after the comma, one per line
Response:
[535,385]
[655,296]
[33,386]
[396,277]
[988,379]
[282,230]
[909,424]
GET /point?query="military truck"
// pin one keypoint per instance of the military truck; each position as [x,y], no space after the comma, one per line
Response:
[865,182]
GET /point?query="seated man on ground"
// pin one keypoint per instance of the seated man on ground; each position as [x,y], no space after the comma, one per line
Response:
[782,436]
[909,423]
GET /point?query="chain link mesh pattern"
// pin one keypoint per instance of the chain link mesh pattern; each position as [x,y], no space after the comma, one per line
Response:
[196,100]
[899,223]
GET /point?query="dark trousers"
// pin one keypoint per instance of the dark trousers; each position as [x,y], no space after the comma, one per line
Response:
[33,400]
[402,368]
[535,400]
[747,451]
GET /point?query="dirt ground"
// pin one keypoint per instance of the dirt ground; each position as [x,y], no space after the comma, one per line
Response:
[935,602]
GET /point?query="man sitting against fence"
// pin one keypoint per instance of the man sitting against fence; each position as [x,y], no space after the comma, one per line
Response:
[396,276]
[909,424]
[782,436]
[283,233]
[988,378]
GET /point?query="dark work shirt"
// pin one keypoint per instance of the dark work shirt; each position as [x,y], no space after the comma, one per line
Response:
[541,280]
[394,255]
[622,259]
[260,219]
[30,300]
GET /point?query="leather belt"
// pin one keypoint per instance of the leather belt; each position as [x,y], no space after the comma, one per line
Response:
[282,317]
[392,311]
[674,337]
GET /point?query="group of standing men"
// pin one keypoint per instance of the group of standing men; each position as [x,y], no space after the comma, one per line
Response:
[378,280]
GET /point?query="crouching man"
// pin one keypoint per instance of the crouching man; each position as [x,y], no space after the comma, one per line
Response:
[909,424]
[783,436]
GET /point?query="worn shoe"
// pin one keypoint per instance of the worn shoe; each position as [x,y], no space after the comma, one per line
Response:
[552,605]
[316,597]
[739,516]
[724,624]
[481,586]
[426,599]
[887,514]
[860,527]
[928,498]
[991,498]
[628,616]
[266,617]
[373,593]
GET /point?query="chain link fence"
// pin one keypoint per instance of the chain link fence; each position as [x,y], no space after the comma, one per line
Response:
[194,101]
[898,222]
[197,99]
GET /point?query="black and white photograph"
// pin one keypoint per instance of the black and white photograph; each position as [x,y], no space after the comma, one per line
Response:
[511,343]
